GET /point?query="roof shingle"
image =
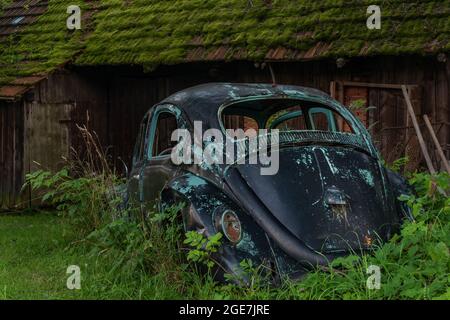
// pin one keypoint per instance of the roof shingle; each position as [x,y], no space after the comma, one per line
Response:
[149,33]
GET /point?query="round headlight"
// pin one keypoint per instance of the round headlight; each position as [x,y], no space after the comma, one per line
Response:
[230,226]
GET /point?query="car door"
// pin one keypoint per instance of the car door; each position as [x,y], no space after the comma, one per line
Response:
[139,159]
[159,168]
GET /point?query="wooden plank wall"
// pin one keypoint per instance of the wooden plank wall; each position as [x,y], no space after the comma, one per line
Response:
[117,98]
[112,101]
[11,153]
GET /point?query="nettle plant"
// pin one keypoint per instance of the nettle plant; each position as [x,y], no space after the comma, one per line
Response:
[86,189]
[88,201]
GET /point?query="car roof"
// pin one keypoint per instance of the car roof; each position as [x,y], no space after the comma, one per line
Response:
[202,102]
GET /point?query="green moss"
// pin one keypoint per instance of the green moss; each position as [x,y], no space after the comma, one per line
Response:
[181,26]
[3,4]
[150,33]
[42,46]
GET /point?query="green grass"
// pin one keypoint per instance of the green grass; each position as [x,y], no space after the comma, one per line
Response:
[33,256]
[118,260]
[37,248]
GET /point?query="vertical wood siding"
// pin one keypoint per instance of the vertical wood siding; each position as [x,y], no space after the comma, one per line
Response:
[114,100]
[11,154]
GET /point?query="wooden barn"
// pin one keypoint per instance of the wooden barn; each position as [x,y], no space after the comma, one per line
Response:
[130,54]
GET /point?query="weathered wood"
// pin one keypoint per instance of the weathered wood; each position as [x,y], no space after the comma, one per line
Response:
[374,85]
[436,143]
[118,97]
[440,124]
[11,153]
[418,132]
[333,89]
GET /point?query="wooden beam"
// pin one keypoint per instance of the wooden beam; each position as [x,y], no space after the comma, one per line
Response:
[333,89]
[375,85]
[272,74]
[341,97]
[417,129]
[436,142]
[440,124]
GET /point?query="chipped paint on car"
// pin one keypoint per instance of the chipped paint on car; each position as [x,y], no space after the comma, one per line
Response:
[367,176]
[330,195]
[246,244]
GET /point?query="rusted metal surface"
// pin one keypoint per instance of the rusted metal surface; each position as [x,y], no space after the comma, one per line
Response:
[11,92]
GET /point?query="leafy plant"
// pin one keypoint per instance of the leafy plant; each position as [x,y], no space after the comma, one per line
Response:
[88,201]
[398,164]
[86,190]
[358,104]
[415,264]
[202,247]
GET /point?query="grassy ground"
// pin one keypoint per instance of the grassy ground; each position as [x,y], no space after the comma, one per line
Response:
[37,248]
[119,258]
[33,256]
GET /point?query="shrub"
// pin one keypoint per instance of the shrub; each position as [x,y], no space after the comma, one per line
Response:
[89,202]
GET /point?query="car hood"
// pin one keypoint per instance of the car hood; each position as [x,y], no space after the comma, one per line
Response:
[331,198]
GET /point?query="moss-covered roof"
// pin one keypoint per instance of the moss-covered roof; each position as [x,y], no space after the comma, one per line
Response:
[153,32]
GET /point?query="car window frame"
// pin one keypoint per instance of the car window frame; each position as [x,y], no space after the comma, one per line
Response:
[356,126]
[140,146]
[286,117]
[328,114]
[164,108]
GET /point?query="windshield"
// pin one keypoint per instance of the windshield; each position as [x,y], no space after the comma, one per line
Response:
[285,115]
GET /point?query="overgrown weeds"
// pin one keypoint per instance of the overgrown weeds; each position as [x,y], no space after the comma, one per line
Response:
[86,189]
[414,264]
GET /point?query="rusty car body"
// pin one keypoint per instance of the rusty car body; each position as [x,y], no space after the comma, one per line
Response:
[331,195]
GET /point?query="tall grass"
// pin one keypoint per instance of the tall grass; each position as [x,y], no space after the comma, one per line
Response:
[86,189]
[143,253]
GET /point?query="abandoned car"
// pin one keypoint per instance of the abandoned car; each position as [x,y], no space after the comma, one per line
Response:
[328,195]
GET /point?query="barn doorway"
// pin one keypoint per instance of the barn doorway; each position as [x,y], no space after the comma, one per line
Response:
[382,109]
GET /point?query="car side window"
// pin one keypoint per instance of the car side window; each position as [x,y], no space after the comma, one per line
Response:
[295,122]
[288,119]
[321,119]
[327,120]
[139,149]
[162,128]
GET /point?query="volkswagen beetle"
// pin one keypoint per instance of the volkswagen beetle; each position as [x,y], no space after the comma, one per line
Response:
[327,195]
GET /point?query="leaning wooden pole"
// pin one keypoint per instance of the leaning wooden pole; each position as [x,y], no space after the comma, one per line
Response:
[417,129]
[436,142]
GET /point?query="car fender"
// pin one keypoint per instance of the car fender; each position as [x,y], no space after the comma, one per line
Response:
[203,200]
[400,186]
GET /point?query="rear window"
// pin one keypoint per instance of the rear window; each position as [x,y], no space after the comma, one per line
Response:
[284,115]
